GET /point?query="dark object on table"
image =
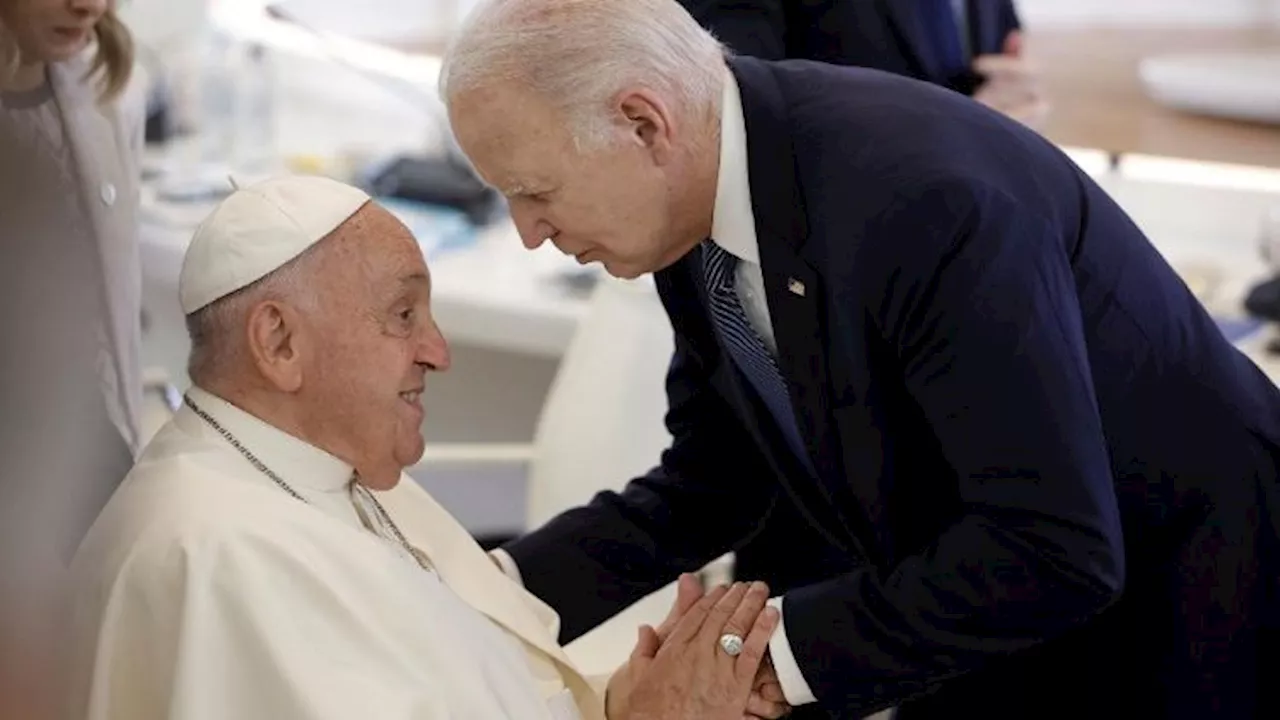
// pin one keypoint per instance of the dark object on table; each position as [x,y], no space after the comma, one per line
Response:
[1263,300]
[160,119]
[438,181]
[579,282]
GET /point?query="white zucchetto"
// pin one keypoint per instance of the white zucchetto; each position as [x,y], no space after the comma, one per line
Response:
[258,229]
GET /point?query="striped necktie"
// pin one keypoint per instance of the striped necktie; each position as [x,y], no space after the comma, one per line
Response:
[746,347]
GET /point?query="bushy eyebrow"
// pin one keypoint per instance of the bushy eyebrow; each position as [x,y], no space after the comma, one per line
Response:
[526,186]
[404,284]
[517,189]
[415,278]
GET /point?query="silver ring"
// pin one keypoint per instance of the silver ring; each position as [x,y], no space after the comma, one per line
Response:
[731,644]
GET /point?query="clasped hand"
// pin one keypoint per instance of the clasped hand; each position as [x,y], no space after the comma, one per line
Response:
[678,671]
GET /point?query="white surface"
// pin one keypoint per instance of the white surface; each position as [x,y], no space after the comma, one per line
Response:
[383,20]
[1241,86]
[603,425]
[1197,174]
[1119,13]
[1210,235]
[162,23]
[603,420]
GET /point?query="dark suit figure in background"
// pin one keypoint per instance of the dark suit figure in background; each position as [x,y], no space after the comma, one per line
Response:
[974,47]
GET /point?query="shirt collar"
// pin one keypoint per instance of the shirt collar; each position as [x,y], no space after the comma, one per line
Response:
[733,225]
[297,462]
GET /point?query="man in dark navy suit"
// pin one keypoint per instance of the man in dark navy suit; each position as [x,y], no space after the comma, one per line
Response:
[1044,483]
[971,46]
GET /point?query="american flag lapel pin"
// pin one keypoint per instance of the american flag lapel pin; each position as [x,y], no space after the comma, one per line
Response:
[795,286]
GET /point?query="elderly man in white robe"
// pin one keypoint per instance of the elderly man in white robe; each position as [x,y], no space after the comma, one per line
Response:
[267,557]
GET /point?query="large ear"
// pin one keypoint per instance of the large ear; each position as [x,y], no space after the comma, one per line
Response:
[650,121]
[276,342]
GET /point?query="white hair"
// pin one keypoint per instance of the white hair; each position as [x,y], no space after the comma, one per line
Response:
[579,54]
[217,330]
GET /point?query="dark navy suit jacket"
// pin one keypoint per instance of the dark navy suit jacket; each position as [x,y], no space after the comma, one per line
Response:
[889,35]
[1046,484]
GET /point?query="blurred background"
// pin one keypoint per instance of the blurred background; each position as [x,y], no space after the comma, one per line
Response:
[556,386]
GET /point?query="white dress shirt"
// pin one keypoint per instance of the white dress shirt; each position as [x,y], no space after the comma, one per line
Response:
[733,224]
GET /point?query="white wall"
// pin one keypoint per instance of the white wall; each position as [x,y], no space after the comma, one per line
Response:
[158,23]
[383,20]
[418,20]
[1148,12]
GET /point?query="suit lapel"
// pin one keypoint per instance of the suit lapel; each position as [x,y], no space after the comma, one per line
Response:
[795,296]
[470,572]
[793,290]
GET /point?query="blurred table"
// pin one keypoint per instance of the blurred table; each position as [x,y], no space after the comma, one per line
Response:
[1099,102]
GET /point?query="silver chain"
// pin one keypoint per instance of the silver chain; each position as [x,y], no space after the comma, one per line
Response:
[385,517]
[417,554]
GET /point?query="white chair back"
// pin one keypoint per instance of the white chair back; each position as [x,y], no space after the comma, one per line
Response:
[603,425]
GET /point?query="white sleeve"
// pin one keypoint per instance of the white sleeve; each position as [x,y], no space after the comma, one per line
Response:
[794,687]
[508,565]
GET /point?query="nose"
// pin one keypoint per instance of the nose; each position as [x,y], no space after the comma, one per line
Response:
[534,241]
[533,230]
[433,350]
[93,8]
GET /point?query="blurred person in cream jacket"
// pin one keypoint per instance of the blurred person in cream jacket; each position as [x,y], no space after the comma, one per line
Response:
[71,121]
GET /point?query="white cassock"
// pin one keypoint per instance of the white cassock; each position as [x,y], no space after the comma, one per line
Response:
[205,591]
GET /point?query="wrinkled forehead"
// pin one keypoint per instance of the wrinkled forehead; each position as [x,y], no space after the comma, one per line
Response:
[515,139]
[376,242]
